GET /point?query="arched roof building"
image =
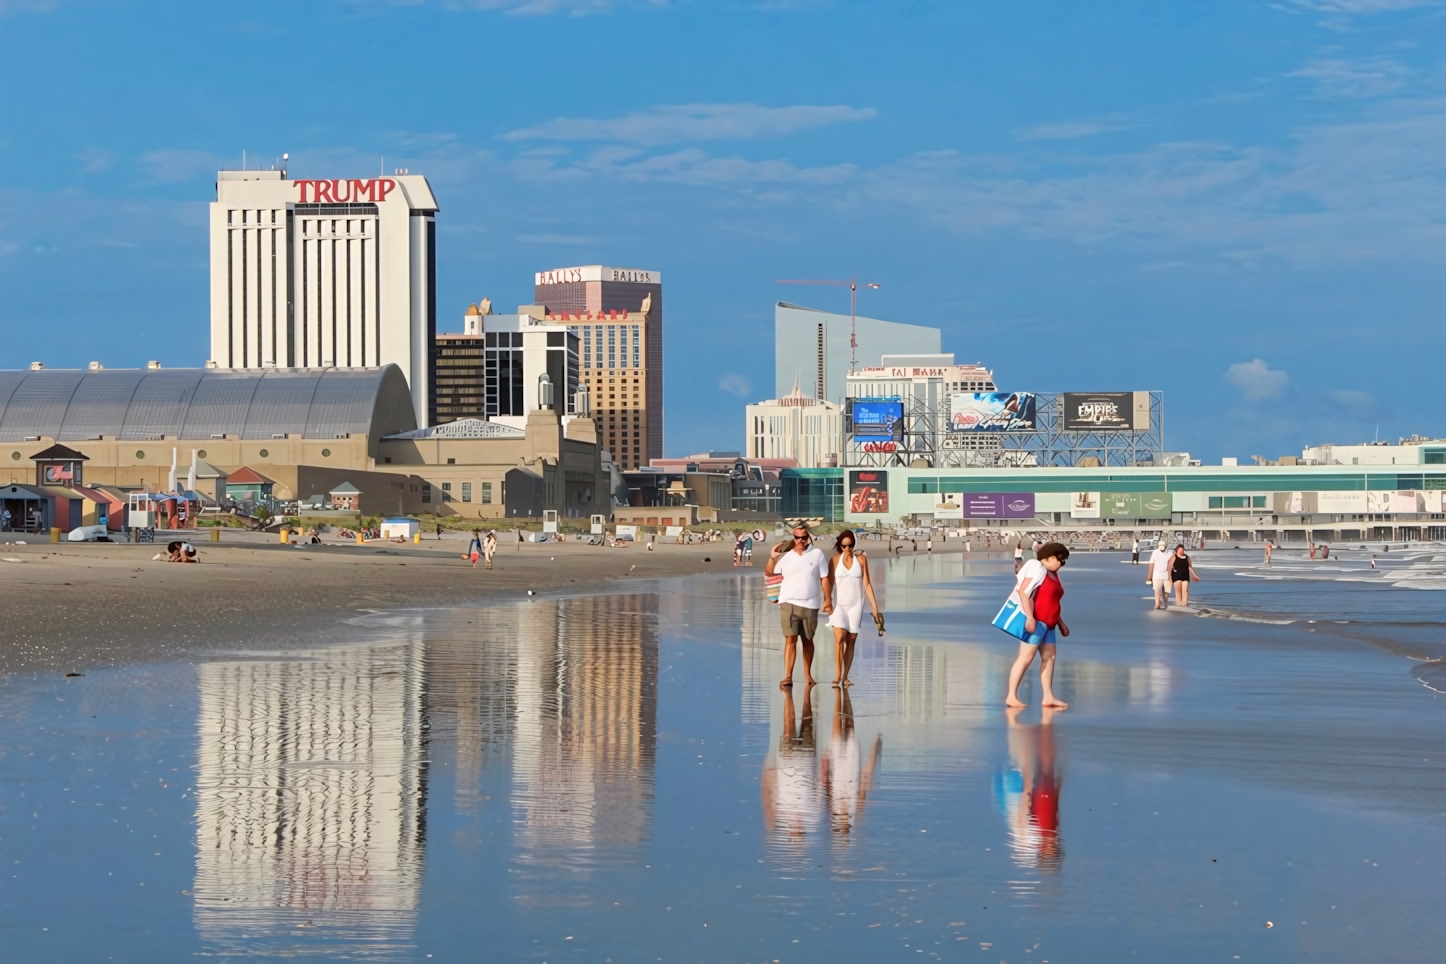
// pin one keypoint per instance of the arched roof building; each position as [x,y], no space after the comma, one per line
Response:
[197,404]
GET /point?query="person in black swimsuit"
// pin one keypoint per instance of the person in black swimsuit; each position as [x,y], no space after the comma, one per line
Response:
[1182,573]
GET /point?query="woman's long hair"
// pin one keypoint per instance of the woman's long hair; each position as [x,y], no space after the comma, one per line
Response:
[838,541]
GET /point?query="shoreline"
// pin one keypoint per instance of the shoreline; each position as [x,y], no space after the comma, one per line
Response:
[72,606]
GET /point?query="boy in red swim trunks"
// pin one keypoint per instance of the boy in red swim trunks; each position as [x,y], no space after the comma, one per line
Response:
[1039,593]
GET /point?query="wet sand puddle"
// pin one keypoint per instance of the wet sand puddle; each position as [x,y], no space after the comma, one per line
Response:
[620,777]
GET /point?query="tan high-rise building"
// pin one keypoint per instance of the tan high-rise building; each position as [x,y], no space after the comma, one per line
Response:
[617,315]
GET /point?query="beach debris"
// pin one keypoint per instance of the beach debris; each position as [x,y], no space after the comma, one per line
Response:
[707,558]
[531,592]
[70,675]
[1269,924]
[13,559]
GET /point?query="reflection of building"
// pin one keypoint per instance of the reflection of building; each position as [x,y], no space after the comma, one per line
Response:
[795,426]
[617,315]
[762,647]
[585,736]
[311,790]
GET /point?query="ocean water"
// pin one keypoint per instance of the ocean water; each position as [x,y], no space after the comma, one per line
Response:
[619,778]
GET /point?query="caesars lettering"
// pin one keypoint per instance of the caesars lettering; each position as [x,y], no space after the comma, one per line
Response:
[353,191]
[880,447]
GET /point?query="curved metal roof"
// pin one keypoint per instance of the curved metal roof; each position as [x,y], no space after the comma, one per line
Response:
[200,403]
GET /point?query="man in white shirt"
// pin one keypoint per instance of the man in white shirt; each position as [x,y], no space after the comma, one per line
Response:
[1159,575]
[803,593]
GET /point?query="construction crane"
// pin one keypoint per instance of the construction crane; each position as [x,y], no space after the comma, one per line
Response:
[852,286]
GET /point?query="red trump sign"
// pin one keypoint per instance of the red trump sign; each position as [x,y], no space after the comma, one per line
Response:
[345,192]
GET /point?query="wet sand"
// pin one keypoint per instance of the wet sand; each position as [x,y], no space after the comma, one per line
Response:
[74,606]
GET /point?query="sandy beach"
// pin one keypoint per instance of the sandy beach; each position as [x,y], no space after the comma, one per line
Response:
[73,606]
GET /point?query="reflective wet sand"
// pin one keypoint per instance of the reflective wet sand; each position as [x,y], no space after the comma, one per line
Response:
[619,777]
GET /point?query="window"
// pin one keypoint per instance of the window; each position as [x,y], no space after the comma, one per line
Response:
[447,492]
[466,491]
[426,493]
[1257,501]
[486,493]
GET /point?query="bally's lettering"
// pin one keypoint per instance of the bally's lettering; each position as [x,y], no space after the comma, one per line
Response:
[636,277]
[354,191]
[561,276]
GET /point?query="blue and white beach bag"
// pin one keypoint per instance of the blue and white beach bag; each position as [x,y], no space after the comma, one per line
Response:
[1011,618]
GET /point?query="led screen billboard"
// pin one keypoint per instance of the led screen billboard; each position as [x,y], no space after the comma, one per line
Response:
[992,412]
[1117,411]
[868,491]
[878,418]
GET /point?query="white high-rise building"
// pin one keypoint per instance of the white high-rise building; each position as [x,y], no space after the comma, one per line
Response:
[795,426]
[325,274]
[811,348]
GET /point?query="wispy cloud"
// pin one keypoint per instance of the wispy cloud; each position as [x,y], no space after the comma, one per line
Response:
[1070,130]
[1361,6]
[172,166]
[1359,405]
[736,384]
[1256,380]
[679,123]
[524,8]
[1337,77]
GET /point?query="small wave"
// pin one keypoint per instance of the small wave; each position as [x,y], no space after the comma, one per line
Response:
[1241,617]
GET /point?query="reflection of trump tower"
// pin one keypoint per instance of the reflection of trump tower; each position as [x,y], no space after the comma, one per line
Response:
[335,273]
[311,790]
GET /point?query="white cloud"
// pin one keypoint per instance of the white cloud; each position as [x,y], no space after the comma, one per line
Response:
[736,384]
[1257,380]
[676,123]
[1069,130]
[171,166]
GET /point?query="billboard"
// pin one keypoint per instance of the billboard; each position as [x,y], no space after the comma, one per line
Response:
[992,412]
[1116,411]
[949,506]
[999,505]
[1084,505]
[868,491]
[1135,505]
[878,417]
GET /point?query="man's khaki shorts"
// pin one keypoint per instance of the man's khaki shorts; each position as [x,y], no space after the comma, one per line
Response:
[798,621]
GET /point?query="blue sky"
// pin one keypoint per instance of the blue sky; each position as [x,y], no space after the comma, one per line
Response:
[1240,203]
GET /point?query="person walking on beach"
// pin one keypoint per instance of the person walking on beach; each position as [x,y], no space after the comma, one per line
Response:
[803,592]
[1135,551]
[1182,573]
[847,586]
[489,547]
[474,550]
[738,552]
[1269,548]
[1038,593]
[1018,556]
[748,549]
[1159,575]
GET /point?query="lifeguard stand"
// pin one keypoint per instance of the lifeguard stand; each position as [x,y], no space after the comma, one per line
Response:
[549,520]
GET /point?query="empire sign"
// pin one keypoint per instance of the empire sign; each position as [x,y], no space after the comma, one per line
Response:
[355,191]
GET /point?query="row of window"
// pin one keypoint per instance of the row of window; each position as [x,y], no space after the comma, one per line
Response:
[616,342]
[486,492]
[1237,502]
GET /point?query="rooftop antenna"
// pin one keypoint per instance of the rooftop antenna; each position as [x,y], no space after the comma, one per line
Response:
[285,161]
[243,158]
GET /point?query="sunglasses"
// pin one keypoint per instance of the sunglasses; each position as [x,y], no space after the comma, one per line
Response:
[846,545]
[800,538]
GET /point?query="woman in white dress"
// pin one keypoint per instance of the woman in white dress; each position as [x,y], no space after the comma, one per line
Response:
[848,584]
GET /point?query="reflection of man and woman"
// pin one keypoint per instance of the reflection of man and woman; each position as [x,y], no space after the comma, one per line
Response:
[846,781]
[791,798]
[798,788]
[1028,793]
